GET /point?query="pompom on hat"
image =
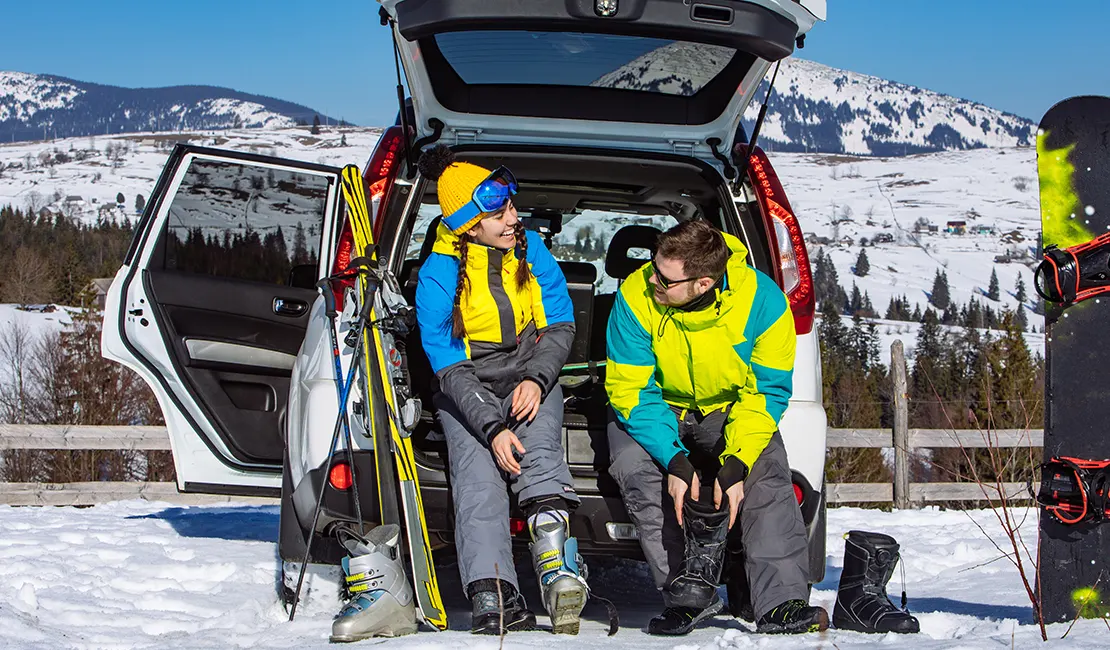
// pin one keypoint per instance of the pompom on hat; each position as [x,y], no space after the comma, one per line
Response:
[455,182]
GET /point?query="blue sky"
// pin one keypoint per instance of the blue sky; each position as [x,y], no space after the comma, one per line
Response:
[1014,55]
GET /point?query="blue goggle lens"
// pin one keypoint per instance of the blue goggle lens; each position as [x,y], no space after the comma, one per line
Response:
[492,193]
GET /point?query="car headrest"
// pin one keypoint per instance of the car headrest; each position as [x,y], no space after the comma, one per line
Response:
[429,239]
[617,262]
[579,272]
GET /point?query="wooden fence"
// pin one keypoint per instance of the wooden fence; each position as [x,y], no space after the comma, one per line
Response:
[901,492]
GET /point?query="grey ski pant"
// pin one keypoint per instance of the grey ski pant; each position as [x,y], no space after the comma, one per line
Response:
[481,490]
[771,527]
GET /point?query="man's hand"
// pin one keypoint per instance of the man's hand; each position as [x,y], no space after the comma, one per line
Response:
[678,489]
[502,446]
[730,481]
[735,496]
[526,400]
[682,478]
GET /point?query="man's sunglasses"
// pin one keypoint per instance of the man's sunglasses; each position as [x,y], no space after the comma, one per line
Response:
[491,195]
[663,280]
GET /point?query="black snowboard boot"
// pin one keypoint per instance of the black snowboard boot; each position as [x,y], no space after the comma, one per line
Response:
[793,617]
[488,610]
[706,529]
[676,621]
[861,601]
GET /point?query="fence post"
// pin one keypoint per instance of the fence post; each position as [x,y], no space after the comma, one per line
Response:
[901,426]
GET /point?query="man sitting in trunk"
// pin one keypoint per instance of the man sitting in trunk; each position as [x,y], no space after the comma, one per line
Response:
[700,359]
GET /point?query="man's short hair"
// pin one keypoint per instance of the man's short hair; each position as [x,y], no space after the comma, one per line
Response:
[698,245]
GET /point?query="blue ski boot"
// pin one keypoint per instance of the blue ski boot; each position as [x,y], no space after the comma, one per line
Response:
[381,598]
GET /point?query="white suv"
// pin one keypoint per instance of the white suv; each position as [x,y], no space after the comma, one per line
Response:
[619,118]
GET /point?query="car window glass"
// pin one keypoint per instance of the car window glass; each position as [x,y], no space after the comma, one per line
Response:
[638,63]
[586,235]
[244,221]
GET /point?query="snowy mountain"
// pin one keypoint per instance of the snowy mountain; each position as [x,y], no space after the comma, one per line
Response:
[819,109]
[34,106]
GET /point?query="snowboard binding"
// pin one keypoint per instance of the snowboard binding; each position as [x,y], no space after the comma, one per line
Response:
[1076,273]
[1074,490]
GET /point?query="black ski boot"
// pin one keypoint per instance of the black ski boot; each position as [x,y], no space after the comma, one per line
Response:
[793,617]
[692,594]
[861,601]
[488,610]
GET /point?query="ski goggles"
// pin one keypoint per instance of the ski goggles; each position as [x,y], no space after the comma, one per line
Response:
[489,196]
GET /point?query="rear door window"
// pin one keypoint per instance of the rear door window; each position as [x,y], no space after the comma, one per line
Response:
[245,222]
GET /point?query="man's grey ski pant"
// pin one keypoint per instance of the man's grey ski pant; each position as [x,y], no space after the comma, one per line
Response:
[772,531]
[481,490]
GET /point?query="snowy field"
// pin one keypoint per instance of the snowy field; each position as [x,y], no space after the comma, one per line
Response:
[146,575]
[836,197]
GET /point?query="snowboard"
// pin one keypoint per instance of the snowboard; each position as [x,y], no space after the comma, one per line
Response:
[1073,166]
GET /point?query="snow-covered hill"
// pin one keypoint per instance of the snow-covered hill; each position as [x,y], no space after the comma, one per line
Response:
[133,574]
[817,108]
[35,106]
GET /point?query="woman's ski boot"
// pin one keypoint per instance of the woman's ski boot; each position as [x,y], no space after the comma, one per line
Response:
[559,568]
[498,613]
[861,601]
[381,601]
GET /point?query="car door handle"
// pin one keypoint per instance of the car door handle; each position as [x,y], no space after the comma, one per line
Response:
[289,307]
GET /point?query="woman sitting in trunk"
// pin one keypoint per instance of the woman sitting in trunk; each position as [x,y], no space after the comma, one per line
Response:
[497,324]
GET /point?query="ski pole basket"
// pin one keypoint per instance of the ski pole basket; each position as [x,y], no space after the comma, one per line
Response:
[1074,490]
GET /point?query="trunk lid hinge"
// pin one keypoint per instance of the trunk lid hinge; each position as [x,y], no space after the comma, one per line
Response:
[466,136]
[684,147]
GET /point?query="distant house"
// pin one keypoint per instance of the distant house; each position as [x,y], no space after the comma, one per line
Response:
[1013,237]
[956,227]
[982,229]
[811,238]
[934,228]
[98,290]
[846,241]
[74,199]
[883,238]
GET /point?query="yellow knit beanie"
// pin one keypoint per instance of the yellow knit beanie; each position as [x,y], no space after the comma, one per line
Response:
[455,183]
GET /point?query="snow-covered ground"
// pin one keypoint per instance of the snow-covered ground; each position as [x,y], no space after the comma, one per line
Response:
[146,575]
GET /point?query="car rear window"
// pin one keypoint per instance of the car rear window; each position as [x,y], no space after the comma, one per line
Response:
[643,64]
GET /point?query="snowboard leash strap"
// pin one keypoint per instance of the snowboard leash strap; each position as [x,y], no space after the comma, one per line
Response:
[1075,490]
[1076,273]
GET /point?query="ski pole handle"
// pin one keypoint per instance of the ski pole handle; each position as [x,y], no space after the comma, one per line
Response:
[329,297]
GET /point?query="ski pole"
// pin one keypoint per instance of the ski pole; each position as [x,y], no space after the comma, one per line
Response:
[327,468]
[330,307]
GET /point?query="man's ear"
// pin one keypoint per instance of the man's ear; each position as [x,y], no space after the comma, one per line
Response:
[704,284]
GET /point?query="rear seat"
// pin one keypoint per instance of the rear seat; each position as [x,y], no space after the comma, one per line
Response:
[580,285]
[619,265]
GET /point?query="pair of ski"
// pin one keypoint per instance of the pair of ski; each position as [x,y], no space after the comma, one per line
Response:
[384,311]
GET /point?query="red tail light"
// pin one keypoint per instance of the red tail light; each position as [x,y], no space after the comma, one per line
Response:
[380,172]
[516,526]
[799,494]
[797,280]
[341,477]
[378,177]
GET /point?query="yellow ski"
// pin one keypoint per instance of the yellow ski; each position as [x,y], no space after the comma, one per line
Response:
[383,397]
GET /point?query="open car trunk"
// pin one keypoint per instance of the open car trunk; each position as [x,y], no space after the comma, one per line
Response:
[655,75]
[600,213]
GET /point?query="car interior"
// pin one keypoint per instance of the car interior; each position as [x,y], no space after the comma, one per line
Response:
[626,203]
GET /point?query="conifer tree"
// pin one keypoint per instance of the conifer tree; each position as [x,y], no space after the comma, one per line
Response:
[862,267]
[939,295]
[992,289]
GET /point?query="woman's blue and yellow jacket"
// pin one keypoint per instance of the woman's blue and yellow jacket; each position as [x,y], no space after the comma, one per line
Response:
[512,333]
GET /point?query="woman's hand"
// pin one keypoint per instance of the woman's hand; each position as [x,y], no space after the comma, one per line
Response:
[502,446]
[526,400]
